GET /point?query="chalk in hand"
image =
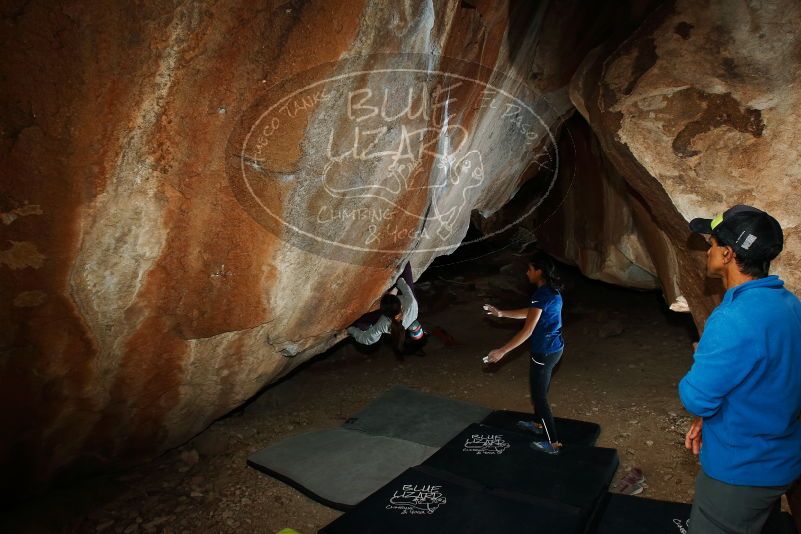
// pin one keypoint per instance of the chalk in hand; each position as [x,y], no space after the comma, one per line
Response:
[485,359]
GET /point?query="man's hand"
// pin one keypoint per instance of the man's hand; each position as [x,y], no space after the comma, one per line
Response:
[693,438]
[496,355]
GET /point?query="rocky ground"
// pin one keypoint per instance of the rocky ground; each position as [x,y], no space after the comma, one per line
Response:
[625,354]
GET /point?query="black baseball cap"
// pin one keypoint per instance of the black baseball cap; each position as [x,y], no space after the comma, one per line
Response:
[750,232]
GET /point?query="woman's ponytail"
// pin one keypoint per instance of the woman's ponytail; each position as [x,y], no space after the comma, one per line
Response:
[398,335]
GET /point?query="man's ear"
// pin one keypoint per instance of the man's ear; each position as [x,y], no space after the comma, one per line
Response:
[728,254]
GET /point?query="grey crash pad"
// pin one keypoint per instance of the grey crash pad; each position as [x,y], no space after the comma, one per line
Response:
[416,416]
[339,467]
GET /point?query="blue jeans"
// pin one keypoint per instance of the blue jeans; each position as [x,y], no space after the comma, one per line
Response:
[539,381]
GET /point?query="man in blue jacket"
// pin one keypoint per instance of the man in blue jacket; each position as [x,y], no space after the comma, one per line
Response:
[745,384]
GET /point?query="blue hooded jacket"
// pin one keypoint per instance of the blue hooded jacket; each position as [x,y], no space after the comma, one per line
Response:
[746,384]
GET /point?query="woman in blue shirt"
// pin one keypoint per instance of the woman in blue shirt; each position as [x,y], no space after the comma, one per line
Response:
[544,328]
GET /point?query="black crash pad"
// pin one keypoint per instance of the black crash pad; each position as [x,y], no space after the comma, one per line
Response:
[570,431]
[342,466]
[496,458]
[416,416]
[626,514]
[425,501]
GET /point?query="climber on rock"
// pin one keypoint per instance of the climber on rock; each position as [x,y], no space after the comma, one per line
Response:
[397,316]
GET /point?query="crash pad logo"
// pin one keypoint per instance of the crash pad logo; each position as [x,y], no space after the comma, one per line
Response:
[682,527]
[485,444]
[385,154]
[414,499]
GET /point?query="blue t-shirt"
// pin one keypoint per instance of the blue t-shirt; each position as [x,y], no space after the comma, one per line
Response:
[547,335]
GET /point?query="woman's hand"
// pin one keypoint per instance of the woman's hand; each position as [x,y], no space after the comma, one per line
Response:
[492,310]
[693,438]
[495,356]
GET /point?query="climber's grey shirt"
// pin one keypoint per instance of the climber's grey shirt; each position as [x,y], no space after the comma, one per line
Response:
[409,315]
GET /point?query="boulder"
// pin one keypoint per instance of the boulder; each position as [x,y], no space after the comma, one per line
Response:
[199,197]
[588,217]
[697,110]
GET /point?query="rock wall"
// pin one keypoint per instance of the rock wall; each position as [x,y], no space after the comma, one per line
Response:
[595,226]
[698,111]
[168,248]
[588,218]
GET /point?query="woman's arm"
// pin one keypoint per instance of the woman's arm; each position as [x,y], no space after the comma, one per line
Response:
[372,334]
[521,313]
[408,302]
[528,327]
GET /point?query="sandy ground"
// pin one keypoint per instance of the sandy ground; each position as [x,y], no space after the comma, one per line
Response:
[625,354]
